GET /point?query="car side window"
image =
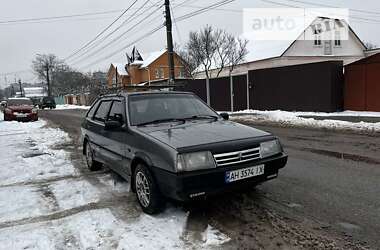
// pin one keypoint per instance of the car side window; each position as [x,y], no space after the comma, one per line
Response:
[102,111]
[116,112]
[92,110]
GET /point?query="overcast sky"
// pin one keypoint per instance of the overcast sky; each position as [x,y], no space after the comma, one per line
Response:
[19,43]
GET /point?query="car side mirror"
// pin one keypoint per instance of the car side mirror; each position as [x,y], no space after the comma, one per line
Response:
[111,125]
[225,116]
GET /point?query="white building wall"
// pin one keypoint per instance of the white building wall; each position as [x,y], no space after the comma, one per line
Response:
[350,47]
[303,51]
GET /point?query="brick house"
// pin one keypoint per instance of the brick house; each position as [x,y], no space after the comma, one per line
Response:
[117,75]
[144,70]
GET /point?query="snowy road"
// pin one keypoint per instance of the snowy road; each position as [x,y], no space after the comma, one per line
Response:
[326,197]
[47,203]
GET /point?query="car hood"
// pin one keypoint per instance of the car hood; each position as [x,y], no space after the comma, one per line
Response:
[20,108]
[200,132]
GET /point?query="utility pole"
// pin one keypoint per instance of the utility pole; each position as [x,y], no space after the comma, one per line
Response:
[19,83]
[169,38]
[48,79]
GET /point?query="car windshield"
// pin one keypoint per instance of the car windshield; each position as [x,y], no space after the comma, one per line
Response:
[48,99]
[144,109]
[20,102]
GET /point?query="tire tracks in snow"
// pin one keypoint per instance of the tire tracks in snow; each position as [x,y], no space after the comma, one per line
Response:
[56,179]
[68,212]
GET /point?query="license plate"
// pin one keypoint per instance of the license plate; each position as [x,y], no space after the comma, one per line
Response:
[21,115]
[244,173]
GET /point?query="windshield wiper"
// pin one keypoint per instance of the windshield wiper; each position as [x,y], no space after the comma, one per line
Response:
[162,121]
[202,117]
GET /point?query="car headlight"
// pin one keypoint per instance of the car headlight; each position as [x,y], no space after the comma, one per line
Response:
[195,161]
[270,148]
[34,111]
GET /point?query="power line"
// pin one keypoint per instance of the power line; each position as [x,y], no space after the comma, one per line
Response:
[15,72]
[219,9]
[295,6]
[102,32]
[204,9]
[331,6]
[124,33]
[176,26]
[118,37]
[147,34]
[27,20]
[115,30]
[184,17]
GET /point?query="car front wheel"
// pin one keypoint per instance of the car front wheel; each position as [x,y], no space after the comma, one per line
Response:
[91,163]
[148,195]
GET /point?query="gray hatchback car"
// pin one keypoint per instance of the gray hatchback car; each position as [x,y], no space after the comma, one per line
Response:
[172,145]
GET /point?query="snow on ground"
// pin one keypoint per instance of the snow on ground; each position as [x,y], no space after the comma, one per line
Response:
[293,118]
[70,106]
[212,237]
[168,229]
[324,114]
[46,204]
[27,152]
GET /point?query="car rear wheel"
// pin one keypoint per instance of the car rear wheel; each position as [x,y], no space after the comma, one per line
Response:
[147,192]
[91,163]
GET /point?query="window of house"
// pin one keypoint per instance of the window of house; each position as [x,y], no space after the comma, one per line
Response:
[102,111]
[181,73]
[317,37]
[337,39]
[159,73]
[114,83]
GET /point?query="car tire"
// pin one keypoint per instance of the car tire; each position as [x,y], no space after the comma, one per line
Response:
[91,163]
[147,192]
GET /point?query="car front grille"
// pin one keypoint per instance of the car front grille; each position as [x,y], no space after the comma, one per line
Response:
[237,157]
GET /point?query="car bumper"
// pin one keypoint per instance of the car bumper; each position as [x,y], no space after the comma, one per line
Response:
[28,118]
[192,185]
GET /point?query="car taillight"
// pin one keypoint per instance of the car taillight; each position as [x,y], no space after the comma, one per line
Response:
[8,111]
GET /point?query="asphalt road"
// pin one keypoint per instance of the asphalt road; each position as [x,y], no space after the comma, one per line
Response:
[327,196]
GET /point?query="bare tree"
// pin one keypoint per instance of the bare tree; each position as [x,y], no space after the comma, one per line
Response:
[43,65]
[215,50]
[187,61]
[230,52]
[201,49]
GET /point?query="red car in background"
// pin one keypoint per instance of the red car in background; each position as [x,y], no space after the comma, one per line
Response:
[20,109]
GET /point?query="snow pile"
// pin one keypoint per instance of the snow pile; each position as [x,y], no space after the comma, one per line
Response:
[70,106]
[347,113]
[213,237]
[163,231]
[27,152]
[293,119]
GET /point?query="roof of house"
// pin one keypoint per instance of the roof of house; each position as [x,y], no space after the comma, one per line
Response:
[120,69]
[261,50]
[151,57]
